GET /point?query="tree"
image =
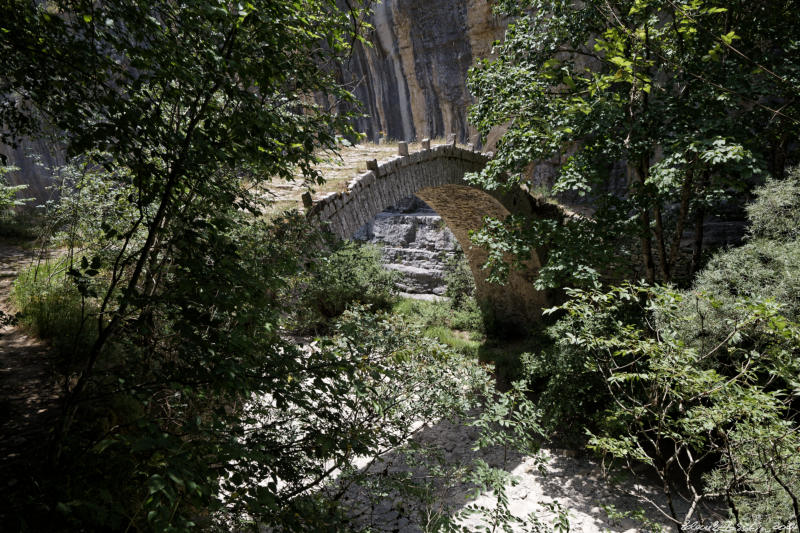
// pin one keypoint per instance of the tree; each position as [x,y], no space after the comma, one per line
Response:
[698,387]
[684,101]
[177,111]
[189,98]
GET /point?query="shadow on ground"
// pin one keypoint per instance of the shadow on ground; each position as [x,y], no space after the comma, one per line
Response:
[422,488]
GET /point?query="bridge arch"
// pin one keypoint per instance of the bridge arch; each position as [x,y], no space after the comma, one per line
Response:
[437,177]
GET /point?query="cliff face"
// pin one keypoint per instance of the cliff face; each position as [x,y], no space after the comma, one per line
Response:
[412,80]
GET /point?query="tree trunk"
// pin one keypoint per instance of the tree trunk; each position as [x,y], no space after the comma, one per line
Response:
[699,218]
[645,238]
[686,194]
[663,260]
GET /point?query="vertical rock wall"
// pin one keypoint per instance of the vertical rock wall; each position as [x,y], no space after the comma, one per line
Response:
[412,80]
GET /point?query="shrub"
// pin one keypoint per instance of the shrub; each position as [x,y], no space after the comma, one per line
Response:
[467,316]
[697,387]
[15,222]
[335,280]
[766,267]
[424,313]
[51,306]
[459,279]
[709,421]
[8,193]
[775,213]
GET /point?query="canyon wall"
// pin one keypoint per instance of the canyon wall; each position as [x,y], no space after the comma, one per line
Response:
[412,79]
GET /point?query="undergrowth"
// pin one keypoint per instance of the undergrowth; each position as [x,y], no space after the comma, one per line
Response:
[51,306]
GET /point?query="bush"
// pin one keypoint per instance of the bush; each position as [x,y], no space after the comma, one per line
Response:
[442,313]
[8,193]
[52,308]
[459,279]
[424,313]
[15,223]
[467,316]
[711,420]
[351,273]
[766,267]
[775,213]
[697,387]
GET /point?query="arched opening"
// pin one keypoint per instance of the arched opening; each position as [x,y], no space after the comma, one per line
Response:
[422,232]
[416,244]
[437,177]
[514,304]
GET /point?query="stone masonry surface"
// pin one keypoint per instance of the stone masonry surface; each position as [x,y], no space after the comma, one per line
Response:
[437,176]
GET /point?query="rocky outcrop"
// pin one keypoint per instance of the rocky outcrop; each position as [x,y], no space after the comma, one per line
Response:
[415,243]
[412,80]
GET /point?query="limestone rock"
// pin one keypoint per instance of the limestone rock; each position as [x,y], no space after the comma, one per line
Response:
[412,81]
[416,243]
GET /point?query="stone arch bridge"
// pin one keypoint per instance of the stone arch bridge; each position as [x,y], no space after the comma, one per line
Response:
[436,175]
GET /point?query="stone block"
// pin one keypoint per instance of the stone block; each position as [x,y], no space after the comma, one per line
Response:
[367,178]
[326,211]
[372,165]
[426,144]
[334,226]
[402,148]
[308,202]
[384,198]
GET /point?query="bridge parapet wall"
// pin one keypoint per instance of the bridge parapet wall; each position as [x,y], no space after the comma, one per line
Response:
[373,191]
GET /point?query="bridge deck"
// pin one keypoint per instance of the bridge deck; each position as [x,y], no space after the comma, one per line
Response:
[338,171]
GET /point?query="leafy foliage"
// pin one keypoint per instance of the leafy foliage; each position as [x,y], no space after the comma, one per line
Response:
[701,385]
[8,193]
[16,222]
[668,106]
[335,279]
[173,114]
[713,422]
[775,213]
[575,249]
[53,308]
[459,280]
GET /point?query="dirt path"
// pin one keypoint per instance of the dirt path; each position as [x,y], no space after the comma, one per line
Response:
[28,394]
